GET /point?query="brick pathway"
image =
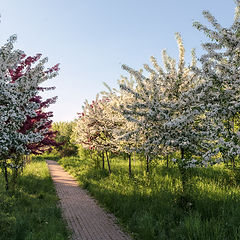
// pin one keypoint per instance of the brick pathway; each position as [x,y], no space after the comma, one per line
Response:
[85,218]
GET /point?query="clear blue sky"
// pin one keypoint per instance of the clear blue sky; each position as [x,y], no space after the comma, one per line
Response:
[92,38]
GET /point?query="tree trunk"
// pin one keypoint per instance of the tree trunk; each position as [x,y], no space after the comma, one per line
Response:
[233,163]
[17,162]
[102,160]
[183,174]
[225,161]
[182,153]
[129,165]
[109,168]
[233,124]
[5,175]
[14,178]
[185,179]
[147,160]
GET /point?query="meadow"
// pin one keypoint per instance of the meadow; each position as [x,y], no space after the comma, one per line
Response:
[31,211]
[147,205]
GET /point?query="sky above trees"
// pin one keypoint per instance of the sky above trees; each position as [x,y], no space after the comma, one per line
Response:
[92,39]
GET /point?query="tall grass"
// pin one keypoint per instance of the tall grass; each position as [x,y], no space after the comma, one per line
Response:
[31,212]
[147,204]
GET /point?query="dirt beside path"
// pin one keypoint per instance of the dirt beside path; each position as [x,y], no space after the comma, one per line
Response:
[85,218]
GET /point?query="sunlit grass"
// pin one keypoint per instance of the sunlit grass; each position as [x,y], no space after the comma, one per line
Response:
[147,204]
[31,212]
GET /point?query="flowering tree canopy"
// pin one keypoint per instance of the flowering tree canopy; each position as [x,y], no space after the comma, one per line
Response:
[31,123]
[166,109]
[124,135]
[22,121]
[94,128]
[221,92]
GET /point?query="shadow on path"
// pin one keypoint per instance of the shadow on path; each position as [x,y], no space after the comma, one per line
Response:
[85,218]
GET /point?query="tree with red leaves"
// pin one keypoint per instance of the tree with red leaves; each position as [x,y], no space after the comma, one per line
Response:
[24,125]
[31,123]
[40,123]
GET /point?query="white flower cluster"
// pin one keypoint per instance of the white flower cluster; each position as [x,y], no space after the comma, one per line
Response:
[94,129]
[15,101]
[176,108]
[165,110]
[220,93]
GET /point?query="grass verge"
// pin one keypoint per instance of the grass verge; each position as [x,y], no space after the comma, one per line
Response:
[31,212]
[147,205]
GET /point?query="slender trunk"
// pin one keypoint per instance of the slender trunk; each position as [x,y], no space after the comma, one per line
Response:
[129,165]
[225,161]
[29,158]
[167,161]
[183,174]
[5,175]
[24,162]
[182,153]
[233,163]
[147,160]
[17,162]
[233,159]
[14,177]
[102,160]
[109,168]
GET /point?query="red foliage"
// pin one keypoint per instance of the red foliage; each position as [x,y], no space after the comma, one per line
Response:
[32,122]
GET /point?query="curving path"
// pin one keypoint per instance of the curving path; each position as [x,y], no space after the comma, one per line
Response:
[85,218]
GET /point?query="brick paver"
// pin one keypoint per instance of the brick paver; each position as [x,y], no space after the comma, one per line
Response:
[85,218]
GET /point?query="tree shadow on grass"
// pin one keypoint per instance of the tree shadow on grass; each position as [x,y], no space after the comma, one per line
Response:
[32,209]
[156,215]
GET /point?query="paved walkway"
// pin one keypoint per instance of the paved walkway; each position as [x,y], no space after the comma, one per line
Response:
[85,218]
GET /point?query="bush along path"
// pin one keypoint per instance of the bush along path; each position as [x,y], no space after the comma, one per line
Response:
[85,218]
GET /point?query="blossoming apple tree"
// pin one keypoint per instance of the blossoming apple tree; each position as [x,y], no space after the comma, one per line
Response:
[221,92]
[167,110]
[20,84]
[94,128]
[125,138]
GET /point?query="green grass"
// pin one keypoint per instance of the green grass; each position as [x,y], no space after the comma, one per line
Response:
[31,212]
[147,205]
